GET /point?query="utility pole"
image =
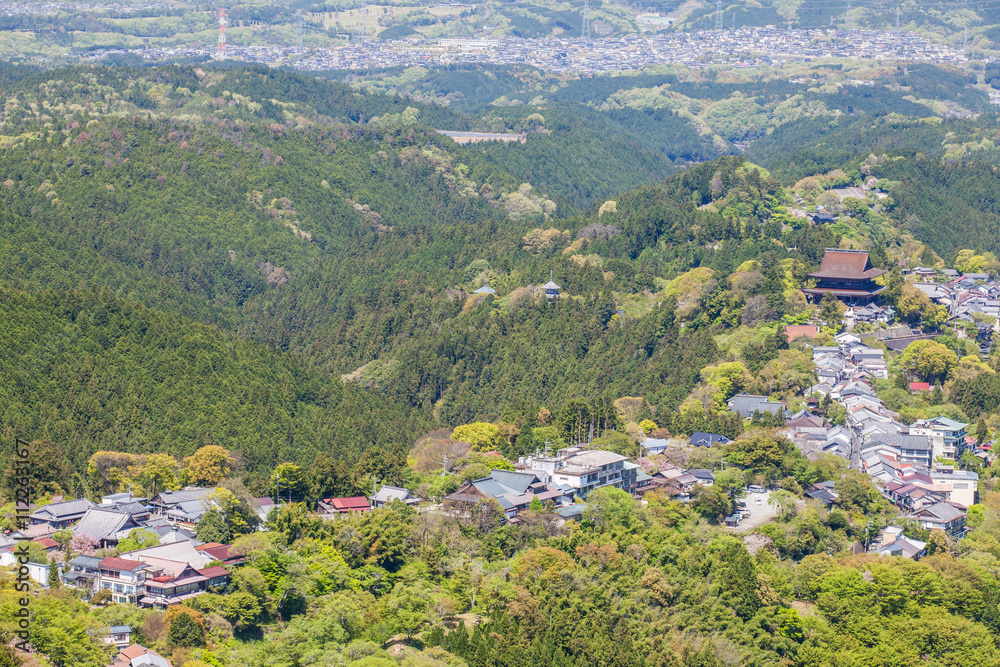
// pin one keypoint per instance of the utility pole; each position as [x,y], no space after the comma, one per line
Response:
[277,488]
[718,14]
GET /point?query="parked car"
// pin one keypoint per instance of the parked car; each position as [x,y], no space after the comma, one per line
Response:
[755,488]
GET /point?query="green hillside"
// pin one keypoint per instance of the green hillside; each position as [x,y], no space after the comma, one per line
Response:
[944,21]
[264,282]
[351,248]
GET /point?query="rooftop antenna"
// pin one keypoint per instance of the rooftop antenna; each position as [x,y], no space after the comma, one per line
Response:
[223,22]
[718,14]
[585,29]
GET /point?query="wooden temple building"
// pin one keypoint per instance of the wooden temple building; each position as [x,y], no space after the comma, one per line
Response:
[848,275]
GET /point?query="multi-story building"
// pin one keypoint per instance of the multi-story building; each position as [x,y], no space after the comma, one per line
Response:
[83,572]
[961,485]
[942,516]
[154,577]
[124,578]
[583,471]
[947,436]
[515,491]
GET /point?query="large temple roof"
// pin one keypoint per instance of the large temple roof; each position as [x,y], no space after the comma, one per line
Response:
[846,264]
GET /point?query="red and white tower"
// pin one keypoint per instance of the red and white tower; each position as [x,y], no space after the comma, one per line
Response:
[223,22]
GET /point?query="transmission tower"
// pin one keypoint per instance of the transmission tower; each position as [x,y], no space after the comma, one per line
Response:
[223,22]
[718,14]
[965,40]
[897,18]
[849,24]
[585,30]
[298,31]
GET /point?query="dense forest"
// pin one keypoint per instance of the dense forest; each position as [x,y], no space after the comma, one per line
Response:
[346,239]
[282,272]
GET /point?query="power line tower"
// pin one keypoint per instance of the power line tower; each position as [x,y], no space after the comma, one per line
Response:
[223,22]
[299,19]
[897,18]
[965,40]
[850,25]
[718,14]
[585,29]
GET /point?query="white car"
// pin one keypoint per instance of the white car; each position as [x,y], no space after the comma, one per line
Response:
[760,501]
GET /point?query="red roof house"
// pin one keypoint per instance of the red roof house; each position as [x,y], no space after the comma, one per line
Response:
[344,505]
[47,543]
[920,386]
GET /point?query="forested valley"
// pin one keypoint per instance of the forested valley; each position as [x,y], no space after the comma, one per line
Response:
[289,273]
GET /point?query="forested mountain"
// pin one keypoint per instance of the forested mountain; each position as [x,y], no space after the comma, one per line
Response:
[282,273]
[337,230]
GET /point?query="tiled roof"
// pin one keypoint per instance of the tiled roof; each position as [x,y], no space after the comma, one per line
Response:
[65,509]
[846,264]
[170,498]
[389,493]
[102,523]
[211,572]
[940,511]
[111,563]
[356,503]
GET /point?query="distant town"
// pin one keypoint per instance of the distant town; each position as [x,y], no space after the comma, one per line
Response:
[743,47]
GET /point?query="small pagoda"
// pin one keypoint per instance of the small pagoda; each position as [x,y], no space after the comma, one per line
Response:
[848,275]
[551,289]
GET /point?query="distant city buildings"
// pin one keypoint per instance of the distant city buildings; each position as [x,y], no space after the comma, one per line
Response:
[744,48]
